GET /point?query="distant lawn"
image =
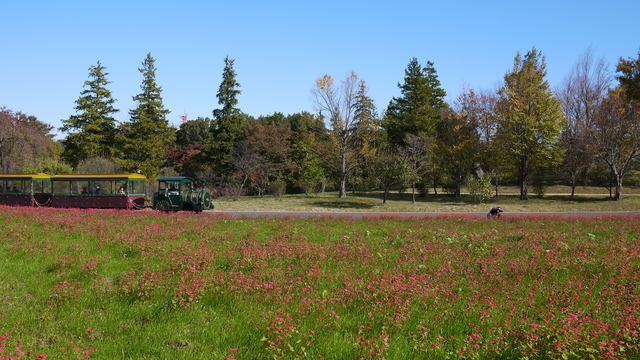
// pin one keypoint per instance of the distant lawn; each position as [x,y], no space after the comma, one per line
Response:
[556,199]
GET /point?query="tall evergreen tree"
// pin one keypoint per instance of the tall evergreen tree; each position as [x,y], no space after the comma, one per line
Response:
[148,133]
[530,120]
[417,111]
[229,122]
[91,133]
[227,92]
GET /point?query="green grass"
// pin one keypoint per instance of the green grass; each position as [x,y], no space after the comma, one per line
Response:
[555,200]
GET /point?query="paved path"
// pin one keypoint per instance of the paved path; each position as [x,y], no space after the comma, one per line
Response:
[306,215]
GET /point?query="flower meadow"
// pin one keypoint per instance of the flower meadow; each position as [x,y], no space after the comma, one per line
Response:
[80,284]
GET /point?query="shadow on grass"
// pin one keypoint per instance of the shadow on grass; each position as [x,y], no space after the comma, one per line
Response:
[444,199]
[342,204]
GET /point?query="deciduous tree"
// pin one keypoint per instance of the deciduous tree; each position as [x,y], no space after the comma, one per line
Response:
[345,107]
[416,153]
[615,135]
[458,145]
[390,169]
[530,120]
[192,136]
[24,141]
[272,142]
[629,77]
[308,170]
[581,93]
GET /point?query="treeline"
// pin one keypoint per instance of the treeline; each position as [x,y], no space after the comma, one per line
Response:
[587,130]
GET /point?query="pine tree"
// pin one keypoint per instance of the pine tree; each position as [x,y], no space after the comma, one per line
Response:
[148,133]
[417,111]
[229,121]
[91,133]
[530,120]
[227,92]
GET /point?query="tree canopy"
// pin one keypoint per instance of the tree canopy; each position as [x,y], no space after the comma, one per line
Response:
[417,110]
[530,119]
[92,131]
[146,136]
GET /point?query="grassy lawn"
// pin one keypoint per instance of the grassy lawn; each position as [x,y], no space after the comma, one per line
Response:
[556,199]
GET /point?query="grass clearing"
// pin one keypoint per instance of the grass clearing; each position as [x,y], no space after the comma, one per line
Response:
[556,200]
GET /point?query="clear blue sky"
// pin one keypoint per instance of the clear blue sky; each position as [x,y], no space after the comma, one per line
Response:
[281,47]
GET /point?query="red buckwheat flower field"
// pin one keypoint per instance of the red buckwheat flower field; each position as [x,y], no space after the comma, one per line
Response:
[80,284]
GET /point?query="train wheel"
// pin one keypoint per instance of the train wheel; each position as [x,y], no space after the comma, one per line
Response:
[187,207]
[162,206]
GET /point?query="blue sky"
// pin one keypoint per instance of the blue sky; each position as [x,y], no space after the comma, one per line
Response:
[281,47]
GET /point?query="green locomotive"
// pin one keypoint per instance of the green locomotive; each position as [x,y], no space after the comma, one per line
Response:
[179,193]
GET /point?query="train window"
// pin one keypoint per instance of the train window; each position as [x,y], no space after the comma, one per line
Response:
[42,187]
[62,187]
[16,187]
[136,187]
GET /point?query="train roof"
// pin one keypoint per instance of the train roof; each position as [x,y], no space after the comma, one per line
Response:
[175,178]
[130,177]
[34,177]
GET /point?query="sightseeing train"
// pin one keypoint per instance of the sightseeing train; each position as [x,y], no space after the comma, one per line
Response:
[102,191]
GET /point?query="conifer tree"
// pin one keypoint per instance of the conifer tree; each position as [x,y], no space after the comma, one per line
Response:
[91,132]
[417,111]
[148,133]
[229,122]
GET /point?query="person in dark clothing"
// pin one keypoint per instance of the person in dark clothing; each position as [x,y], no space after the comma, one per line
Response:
[496,211]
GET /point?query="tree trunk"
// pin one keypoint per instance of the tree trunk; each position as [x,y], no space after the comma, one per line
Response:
[618,188]
[524,190]
[343,177]
[413,193]
[384,197]
[573,190]
[343,186]
[457,191]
